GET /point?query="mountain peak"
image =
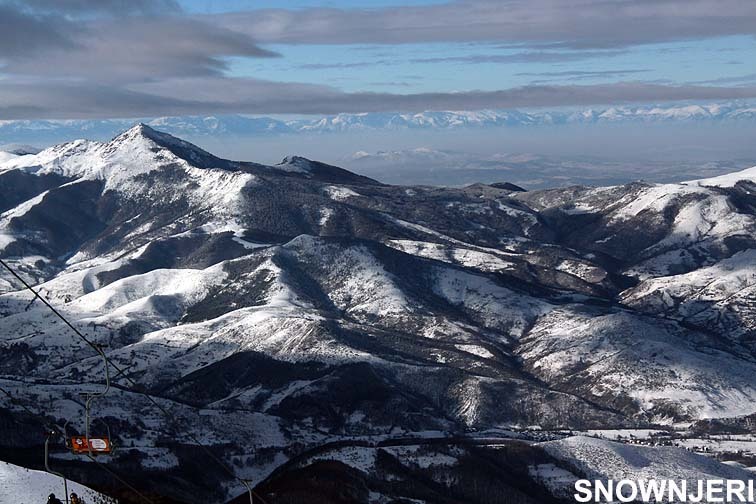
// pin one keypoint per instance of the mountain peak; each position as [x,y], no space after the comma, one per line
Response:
[296,164]
[294,160]
[187,151]
[142,130]
[138,130]
[141,133]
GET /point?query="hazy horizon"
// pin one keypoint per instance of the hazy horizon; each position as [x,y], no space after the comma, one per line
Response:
[565,154]
[99,60]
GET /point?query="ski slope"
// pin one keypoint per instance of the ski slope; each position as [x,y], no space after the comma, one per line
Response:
[19,485]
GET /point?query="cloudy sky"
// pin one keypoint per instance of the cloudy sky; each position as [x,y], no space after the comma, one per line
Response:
[137,58]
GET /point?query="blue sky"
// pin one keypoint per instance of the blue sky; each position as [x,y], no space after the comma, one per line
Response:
[419,67]
[68,59]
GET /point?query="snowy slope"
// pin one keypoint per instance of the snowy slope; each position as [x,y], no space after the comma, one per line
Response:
[728,180]
[607,460]
[7,156]
[19,485]
[667,371]
[720,297]
[602,459]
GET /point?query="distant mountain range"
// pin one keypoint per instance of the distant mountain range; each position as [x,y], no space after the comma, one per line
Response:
[196,126]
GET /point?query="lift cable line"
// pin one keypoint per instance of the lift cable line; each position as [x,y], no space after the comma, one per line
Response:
[23,407]
[136,387]
[116,476]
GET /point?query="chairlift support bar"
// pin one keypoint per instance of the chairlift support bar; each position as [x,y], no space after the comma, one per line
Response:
[47,463]
[249,490]
[91,396]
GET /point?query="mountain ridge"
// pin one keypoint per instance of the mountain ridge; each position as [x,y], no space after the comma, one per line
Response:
[198,126]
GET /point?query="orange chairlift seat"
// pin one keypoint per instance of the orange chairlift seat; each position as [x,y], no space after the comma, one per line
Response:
[81,445]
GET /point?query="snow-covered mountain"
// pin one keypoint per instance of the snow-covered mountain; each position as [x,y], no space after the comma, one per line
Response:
[497,118]
[238,125]
[278,309]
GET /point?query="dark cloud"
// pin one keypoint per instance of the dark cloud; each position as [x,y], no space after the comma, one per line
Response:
[533,96]
[227,95]
[117,49]
[22,33]
[24,100]
[137,49]
[575,24]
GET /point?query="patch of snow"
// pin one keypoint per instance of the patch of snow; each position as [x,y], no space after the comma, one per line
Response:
[488,260]
[325,215]
[225,226]
[584,271]
[476,350]
[339,193]
[5,240]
